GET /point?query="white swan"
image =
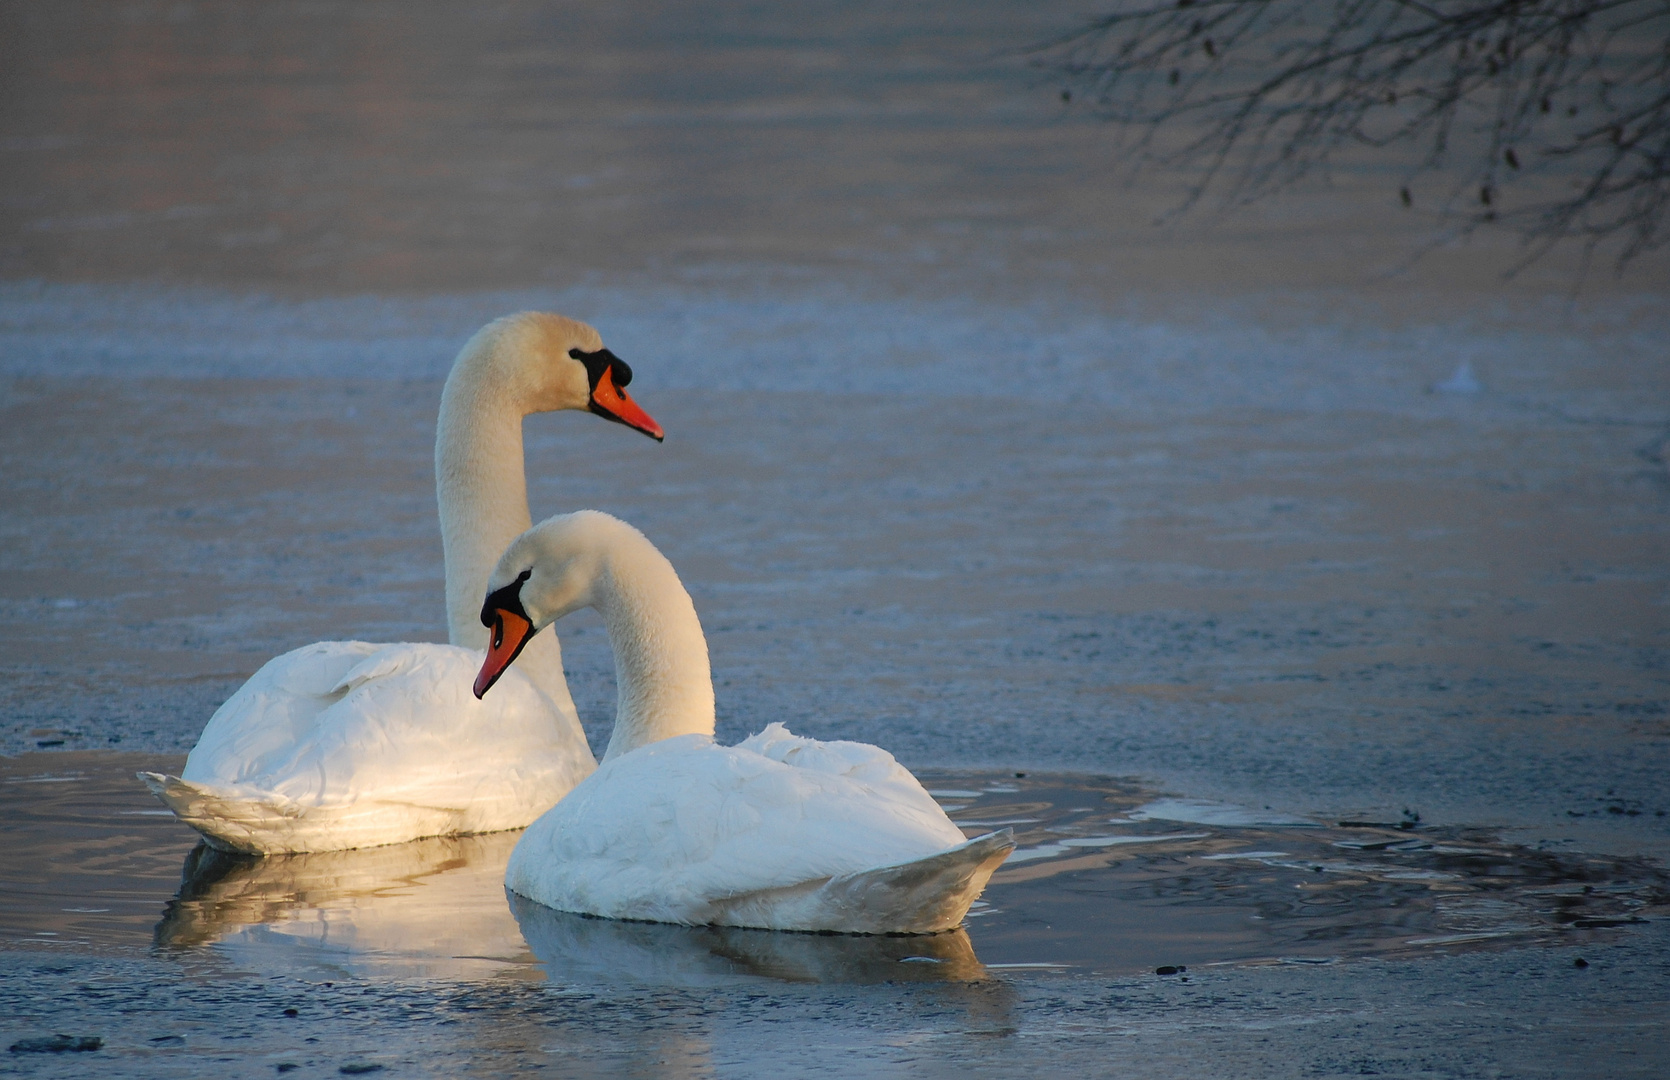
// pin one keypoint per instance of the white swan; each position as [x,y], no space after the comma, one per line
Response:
[346,744]
[778,832]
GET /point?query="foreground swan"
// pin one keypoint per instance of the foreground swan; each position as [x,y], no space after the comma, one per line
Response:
[778,832]
[348,744]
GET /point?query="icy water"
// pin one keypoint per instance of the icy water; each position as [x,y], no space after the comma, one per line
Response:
[1410,601]
[1107,880]
[966,458]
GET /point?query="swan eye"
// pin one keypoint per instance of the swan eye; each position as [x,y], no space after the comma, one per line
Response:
[600,363]
[623,373]
[524,575]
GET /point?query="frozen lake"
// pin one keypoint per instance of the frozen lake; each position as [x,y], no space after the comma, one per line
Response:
[1273,566]
[965,458]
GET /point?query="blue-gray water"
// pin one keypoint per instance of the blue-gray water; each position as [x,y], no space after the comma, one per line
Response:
[1270,565]
[965,458]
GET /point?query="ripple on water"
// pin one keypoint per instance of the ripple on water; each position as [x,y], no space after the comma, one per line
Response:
[1102,882]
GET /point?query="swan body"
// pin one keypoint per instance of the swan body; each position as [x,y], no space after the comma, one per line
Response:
[778,832]
[346,744]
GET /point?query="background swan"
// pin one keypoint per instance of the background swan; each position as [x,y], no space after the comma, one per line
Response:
[347,744]
[779,832]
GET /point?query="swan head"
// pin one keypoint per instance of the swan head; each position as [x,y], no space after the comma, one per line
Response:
[555,362]
[557,567]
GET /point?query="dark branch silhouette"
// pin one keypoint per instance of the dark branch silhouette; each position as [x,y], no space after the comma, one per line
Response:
[1551,117]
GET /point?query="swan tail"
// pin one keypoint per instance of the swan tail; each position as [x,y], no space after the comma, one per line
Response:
[923,896]
[228,822]
[250,821]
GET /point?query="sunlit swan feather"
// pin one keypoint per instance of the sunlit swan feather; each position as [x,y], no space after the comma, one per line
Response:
[779,832]
[346,744]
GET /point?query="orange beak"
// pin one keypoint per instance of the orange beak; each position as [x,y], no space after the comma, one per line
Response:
[611,402]
[511,632]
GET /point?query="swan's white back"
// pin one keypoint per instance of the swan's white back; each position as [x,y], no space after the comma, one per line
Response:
[344,744]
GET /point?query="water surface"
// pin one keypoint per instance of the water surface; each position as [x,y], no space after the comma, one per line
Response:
[1107,880]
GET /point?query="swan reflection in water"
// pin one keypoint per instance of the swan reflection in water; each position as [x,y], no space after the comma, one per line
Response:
[426,909]
[438,908]
[585,949]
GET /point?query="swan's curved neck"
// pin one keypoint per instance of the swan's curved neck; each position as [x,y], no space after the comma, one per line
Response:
[482,491]
[480,486]
[662,678]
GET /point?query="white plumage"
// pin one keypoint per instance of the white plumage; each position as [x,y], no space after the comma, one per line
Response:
[779,831]
[345,744]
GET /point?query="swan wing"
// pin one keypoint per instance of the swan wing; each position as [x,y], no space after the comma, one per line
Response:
[348,744]
[868,765]
[260,724]
[674,831]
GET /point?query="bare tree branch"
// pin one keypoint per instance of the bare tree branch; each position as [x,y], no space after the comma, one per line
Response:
[1551,117]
